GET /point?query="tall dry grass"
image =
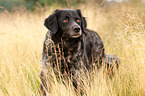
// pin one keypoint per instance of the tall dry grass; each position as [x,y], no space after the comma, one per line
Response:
[121,27]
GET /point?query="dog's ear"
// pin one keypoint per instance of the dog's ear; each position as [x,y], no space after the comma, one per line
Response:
[83,20]
[51,23]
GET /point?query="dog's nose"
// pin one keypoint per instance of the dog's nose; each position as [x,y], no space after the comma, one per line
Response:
[76,28]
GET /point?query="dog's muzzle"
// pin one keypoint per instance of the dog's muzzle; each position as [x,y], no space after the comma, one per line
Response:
[77,31]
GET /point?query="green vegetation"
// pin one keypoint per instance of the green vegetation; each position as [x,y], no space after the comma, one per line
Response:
[30,4]
[11,5]
[122,28]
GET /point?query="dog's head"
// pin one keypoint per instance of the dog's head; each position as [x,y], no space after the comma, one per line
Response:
[68,23]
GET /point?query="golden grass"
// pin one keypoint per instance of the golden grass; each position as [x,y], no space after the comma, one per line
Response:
[21,40]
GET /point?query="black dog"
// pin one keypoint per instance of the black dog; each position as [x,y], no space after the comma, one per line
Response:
[70,48]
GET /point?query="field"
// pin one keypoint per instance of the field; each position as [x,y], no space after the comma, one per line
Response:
[121,27]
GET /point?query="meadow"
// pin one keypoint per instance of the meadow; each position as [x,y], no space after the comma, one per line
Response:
[121,27]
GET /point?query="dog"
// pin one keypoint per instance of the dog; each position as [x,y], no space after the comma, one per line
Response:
[69,47]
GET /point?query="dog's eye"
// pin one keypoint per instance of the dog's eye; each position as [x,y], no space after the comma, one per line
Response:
[78,20]
[65,20]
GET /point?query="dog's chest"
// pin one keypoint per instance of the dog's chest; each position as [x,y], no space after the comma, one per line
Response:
[72,59]
[68,56]
[73,53]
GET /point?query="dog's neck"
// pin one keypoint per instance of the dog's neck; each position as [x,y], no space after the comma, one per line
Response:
[71,45]
[68,45]
[71,42]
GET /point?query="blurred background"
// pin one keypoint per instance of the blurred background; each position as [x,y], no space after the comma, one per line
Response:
[120,24]
[31,4]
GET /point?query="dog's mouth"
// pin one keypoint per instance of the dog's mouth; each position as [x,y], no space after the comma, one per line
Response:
[72,34]
[76,36]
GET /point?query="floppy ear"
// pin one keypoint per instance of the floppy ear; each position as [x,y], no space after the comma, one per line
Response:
[51,23]
[83,20]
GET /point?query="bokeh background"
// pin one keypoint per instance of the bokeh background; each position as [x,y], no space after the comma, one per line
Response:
[30,4]
[120,24]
